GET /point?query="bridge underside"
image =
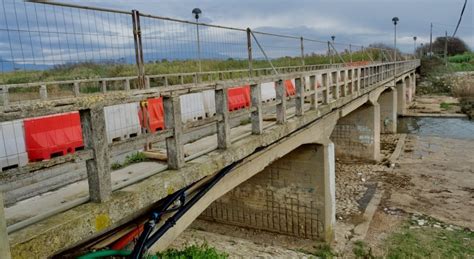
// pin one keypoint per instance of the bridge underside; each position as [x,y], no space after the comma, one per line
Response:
[292,175]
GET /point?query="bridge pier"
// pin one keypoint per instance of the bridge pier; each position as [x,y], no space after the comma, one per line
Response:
[388,111]
[294,196]
[357,135]
[401,97]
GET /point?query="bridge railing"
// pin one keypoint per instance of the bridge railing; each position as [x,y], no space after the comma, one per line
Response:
[315,90]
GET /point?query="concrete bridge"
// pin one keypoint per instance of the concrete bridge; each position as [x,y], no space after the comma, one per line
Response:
[284,175]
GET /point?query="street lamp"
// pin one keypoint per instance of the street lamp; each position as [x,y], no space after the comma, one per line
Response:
[395,22]
[197,12]
[414,45]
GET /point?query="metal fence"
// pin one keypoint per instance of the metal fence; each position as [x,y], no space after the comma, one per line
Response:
[50,41]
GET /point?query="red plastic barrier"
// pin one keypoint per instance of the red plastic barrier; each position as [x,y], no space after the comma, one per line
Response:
[155,111]
[238,97]
[290,88]
[53,135]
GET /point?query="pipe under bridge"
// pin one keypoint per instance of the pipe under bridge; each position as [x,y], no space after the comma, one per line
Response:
[338,111]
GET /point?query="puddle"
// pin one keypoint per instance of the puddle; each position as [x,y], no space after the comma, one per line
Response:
[458,128]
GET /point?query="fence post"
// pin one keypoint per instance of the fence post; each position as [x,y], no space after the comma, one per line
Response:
[314,96]
[302,51]
[300,92]
[281,99]
[223,125]
[350,52]
[329,53]
[103,87]
[43,91]
[126,85]
[4,96]
[326,86]
[98,168]
[76,89]
[137,38]
[256,115]
[249,50]
[4,243]
[174,147]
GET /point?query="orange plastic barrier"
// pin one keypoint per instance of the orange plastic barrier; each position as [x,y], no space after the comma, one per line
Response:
[290,88]
[155,112]
[238,97]
[54,135]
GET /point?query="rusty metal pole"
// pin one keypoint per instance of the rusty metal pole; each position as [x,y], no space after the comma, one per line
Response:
[302,51]
[249,50]
[350,52]
[329,53]
[137,37]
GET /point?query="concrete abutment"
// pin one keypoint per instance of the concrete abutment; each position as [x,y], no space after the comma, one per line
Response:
[294,196]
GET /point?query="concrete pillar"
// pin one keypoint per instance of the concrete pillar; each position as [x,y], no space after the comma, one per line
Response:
[357,135]
[295,196]
[98,168]
[401,97]
[388,111]
[280,90]
[408,82]
[4,243]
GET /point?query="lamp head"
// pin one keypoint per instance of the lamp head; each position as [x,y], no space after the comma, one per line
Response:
[395,20]
[196,12]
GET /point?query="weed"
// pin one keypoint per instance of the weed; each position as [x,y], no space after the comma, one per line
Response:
[430,242]
[361,250]
[130,159]
[203,251]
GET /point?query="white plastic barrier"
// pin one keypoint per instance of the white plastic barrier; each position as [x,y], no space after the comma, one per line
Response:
[121,121]
[209,98]
[192,107]
[268,91]
[12,145]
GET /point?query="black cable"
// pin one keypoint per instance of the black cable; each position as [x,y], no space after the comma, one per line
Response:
[145,241]
[460,18]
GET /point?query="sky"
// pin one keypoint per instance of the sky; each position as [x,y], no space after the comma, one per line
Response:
[358,21]
[35,35]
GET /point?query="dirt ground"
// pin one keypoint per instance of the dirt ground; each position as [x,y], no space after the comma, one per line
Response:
[435,104]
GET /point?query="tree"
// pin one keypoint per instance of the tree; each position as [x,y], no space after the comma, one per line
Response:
[455,46]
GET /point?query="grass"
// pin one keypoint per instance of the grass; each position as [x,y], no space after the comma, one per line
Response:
[203,251]
[323,251]
[130,159]
[430,242]
[90,70]
[446,106]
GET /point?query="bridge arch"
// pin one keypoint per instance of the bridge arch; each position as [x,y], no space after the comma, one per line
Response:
[310,204]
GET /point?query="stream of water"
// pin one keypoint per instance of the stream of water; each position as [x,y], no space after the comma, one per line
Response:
[458,128]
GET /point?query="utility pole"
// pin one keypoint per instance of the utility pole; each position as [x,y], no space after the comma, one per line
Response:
[446,48]
[431,40]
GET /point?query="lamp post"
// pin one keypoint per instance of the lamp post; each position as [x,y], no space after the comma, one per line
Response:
[197,12]
[395,22]
[421,50]
[414,45]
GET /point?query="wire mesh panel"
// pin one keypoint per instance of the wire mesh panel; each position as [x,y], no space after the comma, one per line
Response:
[316,52]
[173,46]
[48,42]
[281,50]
